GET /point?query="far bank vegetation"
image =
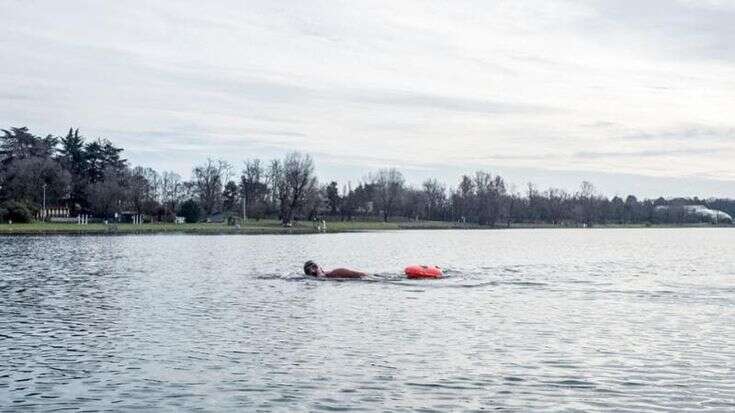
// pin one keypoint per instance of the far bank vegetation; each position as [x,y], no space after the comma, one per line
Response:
[78,175]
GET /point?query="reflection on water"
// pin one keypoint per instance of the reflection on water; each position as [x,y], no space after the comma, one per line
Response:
[637,320]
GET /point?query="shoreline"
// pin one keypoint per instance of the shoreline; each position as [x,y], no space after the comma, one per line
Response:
[271,227]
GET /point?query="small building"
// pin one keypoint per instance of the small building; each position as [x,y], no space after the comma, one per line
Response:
[52,213]
[714,215]
[228,218]
[700,212]
[132,217]
[217,218]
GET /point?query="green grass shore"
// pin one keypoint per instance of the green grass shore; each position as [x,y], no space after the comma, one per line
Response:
[250,227]
[271,227]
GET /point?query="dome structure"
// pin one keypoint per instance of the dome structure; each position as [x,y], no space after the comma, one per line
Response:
[713,215]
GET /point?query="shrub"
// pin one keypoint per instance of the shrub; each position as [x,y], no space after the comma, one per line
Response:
[16,212]
[191,211]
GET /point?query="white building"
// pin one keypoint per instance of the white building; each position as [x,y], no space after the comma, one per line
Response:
[701,211]
[714,215]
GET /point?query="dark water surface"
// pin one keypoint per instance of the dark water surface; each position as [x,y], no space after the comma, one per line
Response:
[541,320]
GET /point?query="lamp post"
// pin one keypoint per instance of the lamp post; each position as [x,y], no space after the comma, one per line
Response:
[43,216]
[244,207]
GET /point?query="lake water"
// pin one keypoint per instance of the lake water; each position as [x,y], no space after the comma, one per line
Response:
[543,320]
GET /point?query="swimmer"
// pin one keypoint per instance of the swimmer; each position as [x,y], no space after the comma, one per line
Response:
[311,268]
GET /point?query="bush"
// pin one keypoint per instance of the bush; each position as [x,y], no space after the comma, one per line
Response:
[16,212]
[191,211]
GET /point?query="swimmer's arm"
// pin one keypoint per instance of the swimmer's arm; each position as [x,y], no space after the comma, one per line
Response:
[344,273]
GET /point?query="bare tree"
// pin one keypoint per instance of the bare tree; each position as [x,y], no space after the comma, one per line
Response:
[555,200]
[273,182]
[463,199]
[209,180]
[253,188]
[108,195]
[139,189]
[144,187]
[389,184]
[294,182]
[435,198]
[413,203]
[490,193]
[585,210]
[513,206]
[171,191]
[154,183]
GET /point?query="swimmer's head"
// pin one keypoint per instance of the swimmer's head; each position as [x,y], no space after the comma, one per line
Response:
[311,268]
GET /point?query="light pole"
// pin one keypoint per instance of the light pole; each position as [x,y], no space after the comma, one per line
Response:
[43,216]
[244,207]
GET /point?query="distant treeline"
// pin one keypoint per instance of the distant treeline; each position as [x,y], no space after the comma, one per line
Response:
[90,176]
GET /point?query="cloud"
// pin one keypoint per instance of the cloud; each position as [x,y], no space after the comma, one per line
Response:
[566,85]
[691,134]
[419,100]
[650,153]
[684,29]
[528,157]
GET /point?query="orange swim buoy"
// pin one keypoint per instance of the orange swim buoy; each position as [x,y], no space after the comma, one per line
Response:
[423,271]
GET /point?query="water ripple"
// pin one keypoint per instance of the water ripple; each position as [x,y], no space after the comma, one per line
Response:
[623,320]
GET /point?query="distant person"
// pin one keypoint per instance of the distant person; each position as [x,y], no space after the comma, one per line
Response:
[311,268]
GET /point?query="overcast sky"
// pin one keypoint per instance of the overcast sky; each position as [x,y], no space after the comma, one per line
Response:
[636,96]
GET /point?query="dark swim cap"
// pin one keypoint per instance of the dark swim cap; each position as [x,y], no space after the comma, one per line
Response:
[308,264]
